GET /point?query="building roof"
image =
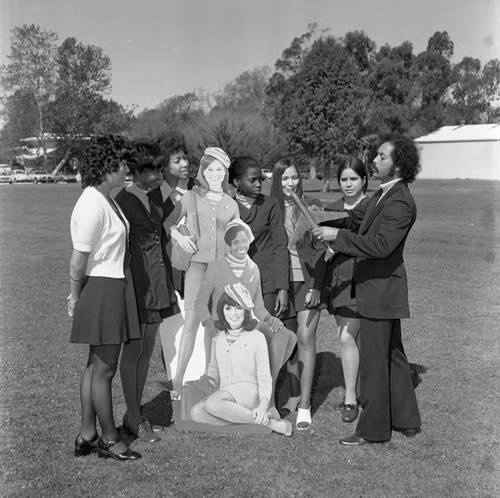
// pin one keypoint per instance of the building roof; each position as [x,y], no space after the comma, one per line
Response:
[464,133]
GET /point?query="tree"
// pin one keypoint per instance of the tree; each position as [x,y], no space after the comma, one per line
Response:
[468,96]
[171,115]
[321,106]
[30,74]
[490,83]
[292,57]
[79,109]
[247,91]
[362,48]
[432,68]
[393,91]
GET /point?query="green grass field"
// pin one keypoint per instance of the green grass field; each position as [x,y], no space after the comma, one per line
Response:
[452,260]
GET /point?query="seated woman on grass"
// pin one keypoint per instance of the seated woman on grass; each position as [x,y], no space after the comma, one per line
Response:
[239,367]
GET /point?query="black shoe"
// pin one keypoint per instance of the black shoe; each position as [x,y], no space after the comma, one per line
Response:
[349,412]
[284,411]
[103,449]
[412,432]
[353,440]
[143,431]
[84,447]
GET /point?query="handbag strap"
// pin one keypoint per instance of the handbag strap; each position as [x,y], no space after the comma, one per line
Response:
[194,215]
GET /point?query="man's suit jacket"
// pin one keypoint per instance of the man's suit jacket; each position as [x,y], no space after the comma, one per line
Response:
[379,274]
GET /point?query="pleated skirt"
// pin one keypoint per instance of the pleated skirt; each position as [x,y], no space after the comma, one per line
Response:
[106,312]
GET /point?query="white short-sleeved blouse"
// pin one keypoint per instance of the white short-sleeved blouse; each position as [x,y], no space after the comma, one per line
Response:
[98,230]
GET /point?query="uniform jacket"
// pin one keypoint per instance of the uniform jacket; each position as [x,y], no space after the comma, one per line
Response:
[379,273]
[218,275]
[149,262]
[208,222]
[245,360]
[269,248]
[339,288]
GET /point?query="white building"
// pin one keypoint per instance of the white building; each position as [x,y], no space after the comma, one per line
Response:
[468,151]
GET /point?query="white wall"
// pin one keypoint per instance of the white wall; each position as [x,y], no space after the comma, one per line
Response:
[478,160]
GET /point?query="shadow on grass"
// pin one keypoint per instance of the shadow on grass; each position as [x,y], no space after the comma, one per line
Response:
[159,410]
[327,376]
[416,370]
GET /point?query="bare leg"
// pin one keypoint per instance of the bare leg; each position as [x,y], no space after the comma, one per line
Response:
[207,340]
[306,346]
[225,406]
[192,282]
[199,414]
[348,332]
[293,374]
[186,347]
[222,405]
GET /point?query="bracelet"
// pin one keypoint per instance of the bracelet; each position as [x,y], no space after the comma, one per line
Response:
[282,290]
[76,281]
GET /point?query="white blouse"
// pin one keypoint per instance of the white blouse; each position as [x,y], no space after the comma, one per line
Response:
[98,230]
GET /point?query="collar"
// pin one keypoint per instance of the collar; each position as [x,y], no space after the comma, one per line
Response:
[141,194]
[385,187]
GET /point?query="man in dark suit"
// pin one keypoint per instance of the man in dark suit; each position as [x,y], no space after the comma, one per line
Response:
[387,395]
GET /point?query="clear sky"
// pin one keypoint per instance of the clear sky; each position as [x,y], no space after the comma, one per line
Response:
[162,48]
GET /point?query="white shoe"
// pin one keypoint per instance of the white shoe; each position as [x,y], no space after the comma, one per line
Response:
[304,419]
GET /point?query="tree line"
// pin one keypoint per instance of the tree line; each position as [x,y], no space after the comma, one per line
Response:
[325,98]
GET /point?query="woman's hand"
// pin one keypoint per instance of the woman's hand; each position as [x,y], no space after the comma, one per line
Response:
[260,415]
[185,241]
[327,234]
[281,303]
[312,298]
[71,306]
[211,381]
[275,324]
[314,207]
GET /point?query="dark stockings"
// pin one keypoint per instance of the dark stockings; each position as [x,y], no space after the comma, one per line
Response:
[134,368]
[95,391]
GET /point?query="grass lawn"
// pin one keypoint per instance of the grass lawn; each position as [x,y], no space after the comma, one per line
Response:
[452,260]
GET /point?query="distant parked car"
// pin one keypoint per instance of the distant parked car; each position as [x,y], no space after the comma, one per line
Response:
[267,174]
[65,178]
[4,178]
[42,177]
[19,176]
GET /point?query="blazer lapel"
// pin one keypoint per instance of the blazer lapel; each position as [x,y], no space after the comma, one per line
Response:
[369,212]
[374,209]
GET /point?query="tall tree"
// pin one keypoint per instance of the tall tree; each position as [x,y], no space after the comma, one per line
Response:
[171,115]
[432,68]
[247,91]
[490,83]
[321,105]
[79,107]
[362,48]
[469,100]
[393,90]
[32,73]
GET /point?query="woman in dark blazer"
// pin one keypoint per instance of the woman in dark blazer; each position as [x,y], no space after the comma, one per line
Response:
[153,282]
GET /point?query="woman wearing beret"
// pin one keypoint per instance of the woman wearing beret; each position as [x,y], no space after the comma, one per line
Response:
[208,209]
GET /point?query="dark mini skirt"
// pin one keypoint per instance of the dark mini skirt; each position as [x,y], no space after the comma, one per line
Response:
[347,311]
[106,312]
[297,297]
